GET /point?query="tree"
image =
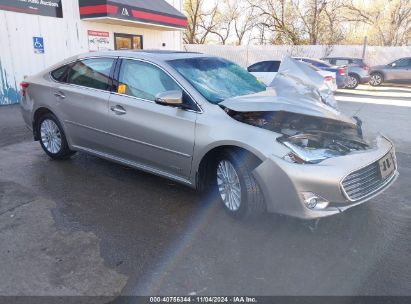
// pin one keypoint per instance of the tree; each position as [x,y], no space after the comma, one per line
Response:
[227,13]
[385,22]
[201,22]
[278,17]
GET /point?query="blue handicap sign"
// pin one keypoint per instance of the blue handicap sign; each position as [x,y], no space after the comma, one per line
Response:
[38,44]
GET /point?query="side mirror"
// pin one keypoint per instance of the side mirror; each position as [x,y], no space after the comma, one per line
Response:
[170,98]
[394,65]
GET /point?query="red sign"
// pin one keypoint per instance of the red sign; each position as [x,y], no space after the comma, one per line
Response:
[98,33]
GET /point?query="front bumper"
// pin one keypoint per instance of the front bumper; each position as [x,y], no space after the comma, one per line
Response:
[282,183]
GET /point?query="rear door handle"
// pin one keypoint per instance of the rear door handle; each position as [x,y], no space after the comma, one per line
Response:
[60,95]
[118,110]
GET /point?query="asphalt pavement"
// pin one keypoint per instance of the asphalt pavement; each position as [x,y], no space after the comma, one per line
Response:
[87,226]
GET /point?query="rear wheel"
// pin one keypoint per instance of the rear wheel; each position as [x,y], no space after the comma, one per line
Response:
[237,188]
[352,81]
[376,79]
[52,137]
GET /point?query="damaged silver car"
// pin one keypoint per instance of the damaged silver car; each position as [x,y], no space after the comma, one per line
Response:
[207,123]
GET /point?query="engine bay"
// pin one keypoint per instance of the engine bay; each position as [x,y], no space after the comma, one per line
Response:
[307,132]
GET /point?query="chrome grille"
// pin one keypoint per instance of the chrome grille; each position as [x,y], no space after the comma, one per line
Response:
[366,181]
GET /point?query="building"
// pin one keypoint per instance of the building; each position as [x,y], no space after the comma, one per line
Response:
[35,34]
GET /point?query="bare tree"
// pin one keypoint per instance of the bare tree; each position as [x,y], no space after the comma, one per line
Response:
[245,20]
[278,17]
[201,22]
[227,13]
[389,22]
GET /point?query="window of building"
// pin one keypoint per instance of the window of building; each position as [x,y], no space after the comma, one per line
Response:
[92,73]
[128,42]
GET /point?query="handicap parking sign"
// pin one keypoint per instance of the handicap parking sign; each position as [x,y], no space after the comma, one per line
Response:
[38,44]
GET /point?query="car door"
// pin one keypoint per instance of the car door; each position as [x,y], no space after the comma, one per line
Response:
[400,71]
[153,136]
[83,102]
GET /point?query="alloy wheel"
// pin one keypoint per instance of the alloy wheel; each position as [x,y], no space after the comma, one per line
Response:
[351,82]
[229,185]
[375,80]
[50,136]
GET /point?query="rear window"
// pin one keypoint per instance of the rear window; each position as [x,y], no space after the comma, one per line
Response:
[265,67]
[60,73]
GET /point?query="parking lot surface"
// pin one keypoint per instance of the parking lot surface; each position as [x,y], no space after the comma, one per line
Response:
[90,227]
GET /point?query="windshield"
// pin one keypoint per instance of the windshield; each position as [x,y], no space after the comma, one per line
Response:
[217,79]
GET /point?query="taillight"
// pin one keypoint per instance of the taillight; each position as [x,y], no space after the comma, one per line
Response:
[328,78]
[24,86]
[366,67]
[341,71]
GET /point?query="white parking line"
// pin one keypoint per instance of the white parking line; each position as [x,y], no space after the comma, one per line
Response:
[370,100]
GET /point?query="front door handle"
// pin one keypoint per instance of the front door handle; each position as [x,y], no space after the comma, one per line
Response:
[119,110]
[60,95]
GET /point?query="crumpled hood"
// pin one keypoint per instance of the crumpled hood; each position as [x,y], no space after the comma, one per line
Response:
[269,101]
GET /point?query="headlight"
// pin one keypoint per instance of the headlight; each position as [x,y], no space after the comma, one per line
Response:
[307,155]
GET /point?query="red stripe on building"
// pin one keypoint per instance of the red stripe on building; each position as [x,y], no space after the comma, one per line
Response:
[158,18]
[98,9]
[17,9]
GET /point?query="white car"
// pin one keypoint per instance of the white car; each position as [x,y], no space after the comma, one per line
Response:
[265,71]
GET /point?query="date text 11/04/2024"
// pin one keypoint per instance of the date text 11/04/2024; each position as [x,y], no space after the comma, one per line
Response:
[198,299]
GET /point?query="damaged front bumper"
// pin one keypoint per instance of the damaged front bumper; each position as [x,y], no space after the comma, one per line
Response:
[338,183]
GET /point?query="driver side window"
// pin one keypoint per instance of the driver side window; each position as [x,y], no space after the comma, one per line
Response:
[144,80]
[401,63]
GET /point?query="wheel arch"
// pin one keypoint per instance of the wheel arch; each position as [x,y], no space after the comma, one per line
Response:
[208,159]
[36,116]
[378,72]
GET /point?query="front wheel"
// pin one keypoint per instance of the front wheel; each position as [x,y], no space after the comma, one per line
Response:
[52,138]
[237,188]
[376,79]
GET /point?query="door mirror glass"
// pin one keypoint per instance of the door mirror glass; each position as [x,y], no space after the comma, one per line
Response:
[172,98]
[394,64]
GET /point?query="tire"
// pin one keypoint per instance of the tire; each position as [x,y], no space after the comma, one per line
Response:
[376,79]
[251,202]
[52,137]
[352,81]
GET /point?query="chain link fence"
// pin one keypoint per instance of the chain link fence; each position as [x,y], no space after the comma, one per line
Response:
[247,55]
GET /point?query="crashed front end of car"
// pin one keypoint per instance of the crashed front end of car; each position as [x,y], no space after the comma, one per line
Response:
[328,167]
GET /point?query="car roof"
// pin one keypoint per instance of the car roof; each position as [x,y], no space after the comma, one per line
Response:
[337,57]
[158,55]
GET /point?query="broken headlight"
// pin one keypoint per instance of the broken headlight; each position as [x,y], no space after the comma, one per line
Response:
[305,150]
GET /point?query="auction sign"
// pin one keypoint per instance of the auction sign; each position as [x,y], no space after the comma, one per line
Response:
[98,41]
[51,8]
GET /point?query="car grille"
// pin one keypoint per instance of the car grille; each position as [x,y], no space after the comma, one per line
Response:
[366,181]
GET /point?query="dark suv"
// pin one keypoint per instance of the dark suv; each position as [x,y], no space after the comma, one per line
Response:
[358,70]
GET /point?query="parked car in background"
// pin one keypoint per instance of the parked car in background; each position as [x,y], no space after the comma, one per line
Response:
[209,124]
[358,70]
[265,71]
[340,72]
[398,71]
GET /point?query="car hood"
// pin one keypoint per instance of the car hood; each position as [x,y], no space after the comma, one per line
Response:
[270,101]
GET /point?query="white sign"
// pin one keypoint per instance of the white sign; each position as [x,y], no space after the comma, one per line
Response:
[98,41]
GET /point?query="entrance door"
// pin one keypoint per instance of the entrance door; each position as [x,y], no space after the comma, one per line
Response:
[128,42]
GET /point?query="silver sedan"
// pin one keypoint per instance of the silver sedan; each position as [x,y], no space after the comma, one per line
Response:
[209,124]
